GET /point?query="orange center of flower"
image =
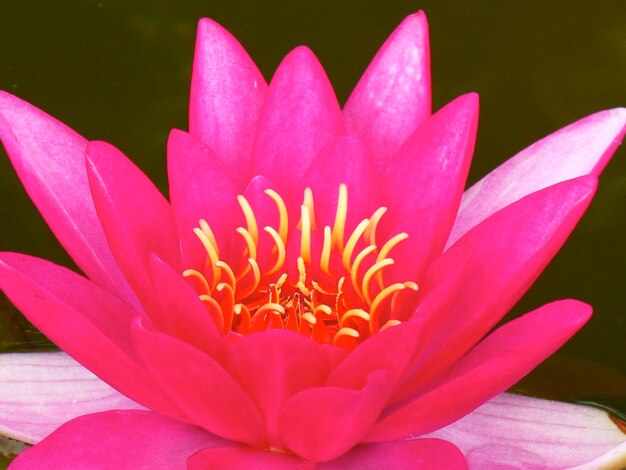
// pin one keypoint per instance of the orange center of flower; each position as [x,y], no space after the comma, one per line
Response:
[338,297]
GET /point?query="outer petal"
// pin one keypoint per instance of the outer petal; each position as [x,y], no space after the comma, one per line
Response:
[200,386]
[113,440]
[227,92]
[41,391]
[229,457]
[322,423]
[495,364]
[424,183]
[538,433]
[393,96]
[300,116]
[49,158]
[422,454]
[579,149]
[135,216]
[87,322]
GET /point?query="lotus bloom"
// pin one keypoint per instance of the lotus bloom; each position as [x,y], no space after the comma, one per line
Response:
[319,292]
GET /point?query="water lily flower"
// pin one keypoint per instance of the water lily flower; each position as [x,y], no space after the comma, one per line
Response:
[318,292]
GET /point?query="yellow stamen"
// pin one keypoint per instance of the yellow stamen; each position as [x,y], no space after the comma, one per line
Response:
[340,217]
[283,220]
[305,238]
[206,229]
[308,202]
[369,275]
[389,324]
[226,269]
[249,240]
[212,256]
[385,250]
[279,247]
[354,314]
[215,311]
[326,247]
[351,243]
[345,333]
[356,265]
[256,272]
[228,304]
[383,295]
[248,213]
[309,317]
[187,273]
[370,231]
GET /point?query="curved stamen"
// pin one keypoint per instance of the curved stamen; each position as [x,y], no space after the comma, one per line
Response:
[206,229]
[326,248]
[354,314]
[283,220]
[212,256]
[370,231]
[356,265]
[385,250]
[308,202]
[383,295]
[279,247]
[227,305]
[230,275]
[248,213]
[369,275]
[351,243]
[249,240]
[215,311]
[195,274]
[340,218]
[256,279]
[305,238]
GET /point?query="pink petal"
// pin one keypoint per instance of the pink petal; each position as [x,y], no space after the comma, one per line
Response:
[501,267]
[422,454]
[49,158]
[347,160]
[425,181]
[491,367]
[116,440]
[200,386]
[41,391]
[85,321]
[200,188]
[227,92]
[229,457]
[322,423]
[393,97]
[273,366]
[135,216]
[300,116]
[540,433]
[581,148]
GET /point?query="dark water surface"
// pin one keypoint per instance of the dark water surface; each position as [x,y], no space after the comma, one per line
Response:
[119,71]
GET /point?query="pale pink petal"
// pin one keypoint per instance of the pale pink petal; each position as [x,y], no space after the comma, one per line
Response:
[491,367]
[581,148]
[115,440]
[84,320]
[422,454]
[227,92]
[424,183]
[135,216]
[539,433]
[274,365]
[322,423]
[299,118]
[393,97]
[200,386]
[41,391]
[229,457]
[347,160]
[500,267]
[49,158]
[200,188]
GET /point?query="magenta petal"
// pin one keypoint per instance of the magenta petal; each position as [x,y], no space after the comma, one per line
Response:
[116,440]
[347,160]
[273,366]
[41,391]
[540,433]
[200,188]
[581,148]
[422,454]
[230,457]
[201,386]
[322,423]
[49,158]
[87,322]
[134,214]
[430,169]
[299,118]
[491,367]
[393,97]
[227,92]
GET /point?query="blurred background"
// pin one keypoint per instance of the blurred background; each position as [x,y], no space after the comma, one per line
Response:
[119,71]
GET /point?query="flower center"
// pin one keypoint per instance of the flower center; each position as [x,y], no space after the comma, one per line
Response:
[338,297]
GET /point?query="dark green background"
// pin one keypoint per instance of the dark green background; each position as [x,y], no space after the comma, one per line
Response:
[119,71]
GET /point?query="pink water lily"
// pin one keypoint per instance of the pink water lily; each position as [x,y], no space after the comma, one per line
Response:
[319,292]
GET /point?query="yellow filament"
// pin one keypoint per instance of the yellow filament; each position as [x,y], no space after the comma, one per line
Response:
[325,309]
[279,247]
[212,304]
[200,277]
[394,299]
[354,271]
[370,232]
[309,317]
[211,253]
[308,202]
[345,332]
[305,238]
[340,217]
[351,244]
[326,247]
[354,314]
[230,276]
[206,229]
[256,272]
[369,275]
[269,308]
[378,301]
[389,324]
[301,271]
[386,249]
[248,213]
[249,239]
[283,220]
[228,304]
